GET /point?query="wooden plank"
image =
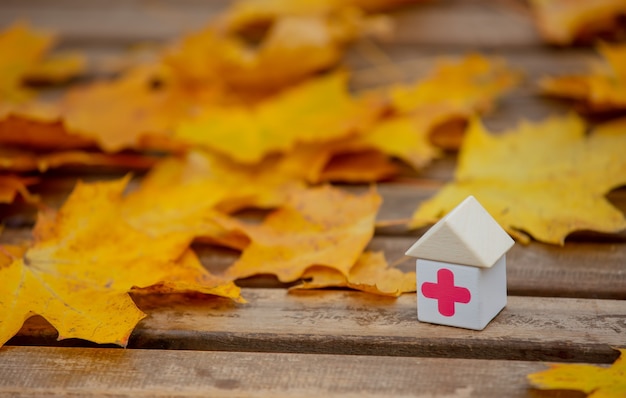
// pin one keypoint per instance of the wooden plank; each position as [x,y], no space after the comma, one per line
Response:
[344,322]
[438,23]
[61,372]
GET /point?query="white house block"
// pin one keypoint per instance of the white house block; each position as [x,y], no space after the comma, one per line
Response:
[458,295]
[461,268]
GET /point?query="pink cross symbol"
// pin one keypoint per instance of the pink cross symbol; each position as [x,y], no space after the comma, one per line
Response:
[445,292]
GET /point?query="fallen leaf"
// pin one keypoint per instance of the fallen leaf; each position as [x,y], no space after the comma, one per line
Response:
[56,68]
[117,114]
[72,278]
[320,226]
[11,186]
[293,48]
[404,137]
[371,274]
[567,21]
[365,166]
[596,381]
[527,189]
[29,129]
[16,160]
[471,83]
[21,49]
[316,111]
[449,95]
[603,90]
[202,179]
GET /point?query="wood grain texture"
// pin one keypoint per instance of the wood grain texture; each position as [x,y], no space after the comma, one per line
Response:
[343,322]
[64,372]
[437,23]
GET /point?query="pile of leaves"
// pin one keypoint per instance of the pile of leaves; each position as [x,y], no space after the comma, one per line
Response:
[253,111]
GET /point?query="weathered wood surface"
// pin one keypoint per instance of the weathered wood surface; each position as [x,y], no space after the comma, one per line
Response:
[342,322]
[63,372]
[566,303]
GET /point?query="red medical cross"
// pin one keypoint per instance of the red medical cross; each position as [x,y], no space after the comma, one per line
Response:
[445,292]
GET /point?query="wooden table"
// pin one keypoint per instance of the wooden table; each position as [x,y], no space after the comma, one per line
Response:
[565,303]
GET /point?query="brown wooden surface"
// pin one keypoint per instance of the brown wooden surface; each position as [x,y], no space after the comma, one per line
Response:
[27,371]
[565,303]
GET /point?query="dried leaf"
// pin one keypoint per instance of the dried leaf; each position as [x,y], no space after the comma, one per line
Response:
[470,84]
[22,161]
[57,68]
[321,226]
[449,95]
[117,114]
[404,137]
[603,90]
[316,111]
[11,185]
[371,274]
[32,128]
[293,48]
[73,278]
[597,381]
[366,166]
[517,178]
[21,49]
[568,21]
[203,179]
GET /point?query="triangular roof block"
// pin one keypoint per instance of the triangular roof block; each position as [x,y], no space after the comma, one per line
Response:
[467,235]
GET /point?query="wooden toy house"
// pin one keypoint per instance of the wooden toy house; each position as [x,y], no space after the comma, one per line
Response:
[461,268]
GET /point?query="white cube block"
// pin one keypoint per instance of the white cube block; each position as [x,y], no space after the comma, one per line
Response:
[460,295]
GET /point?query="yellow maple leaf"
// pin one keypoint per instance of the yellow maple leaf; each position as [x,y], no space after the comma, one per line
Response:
[316,111]
[471,83]
[21,49]
[292,49]
[567,21]
[185,191]
[72,277]
[405,137]
[56,68]
[546,179]
[603,90]
[598,382]
[447,97]
[320,226]
[371,274]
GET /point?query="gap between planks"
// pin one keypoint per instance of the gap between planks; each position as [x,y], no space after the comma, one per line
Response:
[354,323]
[62,372]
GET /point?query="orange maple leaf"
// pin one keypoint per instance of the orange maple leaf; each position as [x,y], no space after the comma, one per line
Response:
[597,381]
[371,274]
[117,114]
[320,226]
[84,261]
